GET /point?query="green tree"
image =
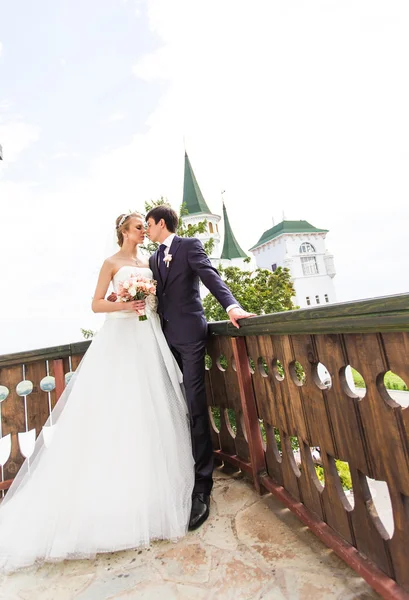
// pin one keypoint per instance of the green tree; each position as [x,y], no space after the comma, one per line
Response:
[260,292]
[182,230]
[87,333]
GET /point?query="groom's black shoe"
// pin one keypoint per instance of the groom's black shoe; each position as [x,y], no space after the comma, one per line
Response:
[200,510]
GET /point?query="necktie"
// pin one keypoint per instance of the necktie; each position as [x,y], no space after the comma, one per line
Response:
[162,265]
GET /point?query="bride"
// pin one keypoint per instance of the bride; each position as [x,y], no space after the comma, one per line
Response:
[119,470]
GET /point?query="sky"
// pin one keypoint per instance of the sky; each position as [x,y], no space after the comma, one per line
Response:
[294,108]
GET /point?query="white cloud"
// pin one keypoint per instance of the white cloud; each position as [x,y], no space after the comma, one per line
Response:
[16,136]
[137,6]
[115,117]
[5,105]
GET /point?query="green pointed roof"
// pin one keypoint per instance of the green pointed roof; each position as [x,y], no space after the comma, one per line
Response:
[192,196]
[231,247]
[287,227]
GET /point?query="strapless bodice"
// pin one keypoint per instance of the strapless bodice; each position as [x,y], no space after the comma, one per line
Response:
[128,271]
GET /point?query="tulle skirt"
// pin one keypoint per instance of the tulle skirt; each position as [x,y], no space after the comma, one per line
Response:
[118,472]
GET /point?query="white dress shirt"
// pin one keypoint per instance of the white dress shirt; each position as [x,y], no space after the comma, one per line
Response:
[168,243]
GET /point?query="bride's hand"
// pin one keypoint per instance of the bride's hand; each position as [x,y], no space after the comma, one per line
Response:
[139,305]
[136,305]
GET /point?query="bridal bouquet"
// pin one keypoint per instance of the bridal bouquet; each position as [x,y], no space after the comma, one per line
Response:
[138,288]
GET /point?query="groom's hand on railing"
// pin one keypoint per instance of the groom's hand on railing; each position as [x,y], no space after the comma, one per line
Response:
[235,314]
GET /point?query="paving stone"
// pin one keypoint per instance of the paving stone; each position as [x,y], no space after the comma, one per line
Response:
[220,475]
[190,592]
[149,591]
[232,497]
[110,584]
[237,579]
[306,585]
[279,538]
[184,562]
[32,587]
[219,532]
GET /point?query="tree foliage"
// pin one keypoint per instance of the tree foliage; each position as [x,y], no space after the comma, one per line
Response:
[87,333]
[259,291]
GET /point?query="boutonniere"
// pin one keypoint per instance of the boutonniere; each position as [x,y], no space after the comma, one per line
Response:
[167,260]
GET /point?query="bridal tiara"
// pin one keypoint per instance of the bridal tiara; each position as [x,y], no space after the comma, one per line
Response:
[122,221]
[124,218]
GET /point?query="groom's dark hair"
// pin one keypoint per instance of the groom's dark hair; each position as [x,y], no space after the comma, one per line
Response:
[165,212]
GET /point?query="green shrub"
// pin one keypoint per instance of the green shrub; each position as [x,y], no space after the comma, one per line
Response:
[358,379]
[343,472]
[391,381]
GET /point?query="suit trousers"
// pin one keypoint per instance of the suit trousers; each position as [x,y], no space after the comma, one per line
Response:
[190,358]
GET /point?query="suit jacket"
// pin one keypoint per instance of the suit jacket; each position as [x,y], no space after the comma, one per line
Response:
[180,306]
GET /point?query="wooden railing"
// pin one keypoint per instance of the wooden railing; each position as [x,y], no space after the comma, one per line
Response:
[266,378]
[30,384]
[272,405]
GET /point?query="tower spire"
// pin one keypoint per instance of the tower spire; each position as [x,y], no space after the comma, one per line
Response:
[192,195]
[231,247]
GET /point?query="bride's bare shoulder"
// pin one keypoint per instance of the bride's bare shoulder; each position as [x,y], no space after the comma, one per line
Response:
[112,262]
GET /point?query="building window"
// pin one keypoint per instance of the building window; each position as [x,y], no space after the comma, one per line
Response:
[306,248]
[326,298]
[211,227]
[217,228]
[317,299]
[308,299]
[309,265]
[274,267]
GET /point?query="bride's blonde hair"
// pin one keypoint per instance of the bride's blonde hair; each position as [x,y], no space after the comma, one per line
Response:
[122,224]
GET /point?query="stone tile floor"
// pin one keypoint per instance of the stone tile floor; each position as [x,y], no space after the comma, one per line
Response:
[251,548]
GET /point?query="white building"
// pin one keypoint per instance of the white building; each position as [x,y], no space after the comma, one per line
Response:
[300,247]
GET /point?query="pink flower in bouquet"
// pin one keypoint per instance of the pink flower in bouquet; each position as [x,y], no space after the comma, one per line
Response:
[137,288]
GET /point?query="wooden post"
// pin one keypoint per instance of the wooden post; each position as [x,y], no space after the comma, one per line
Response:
[4,485]
[59,377]
[248,403]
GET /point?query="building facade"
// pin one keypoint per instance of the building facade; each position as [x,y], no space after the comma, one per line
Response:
[300,247]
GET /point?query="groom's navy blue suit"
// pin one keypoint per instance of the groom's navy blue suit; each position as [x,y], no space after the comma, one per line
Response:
[185,328]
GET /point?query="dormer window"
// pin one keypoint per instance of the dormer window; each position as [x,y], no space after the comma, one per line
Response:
[307,248]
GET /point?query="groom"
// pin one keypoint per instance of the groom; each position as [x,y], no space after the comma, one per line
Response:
[178,265]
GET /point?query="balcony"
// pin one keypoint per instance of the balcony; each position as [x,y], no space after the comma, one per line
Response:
[281,434]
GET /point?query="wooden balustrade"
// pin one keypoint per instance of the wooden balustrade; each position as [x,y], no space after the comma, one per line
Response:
[267,375]
[22,413]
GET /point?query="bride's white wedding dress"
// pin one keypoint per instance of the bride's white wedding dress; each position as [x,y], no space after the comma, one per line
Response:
[119,470]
